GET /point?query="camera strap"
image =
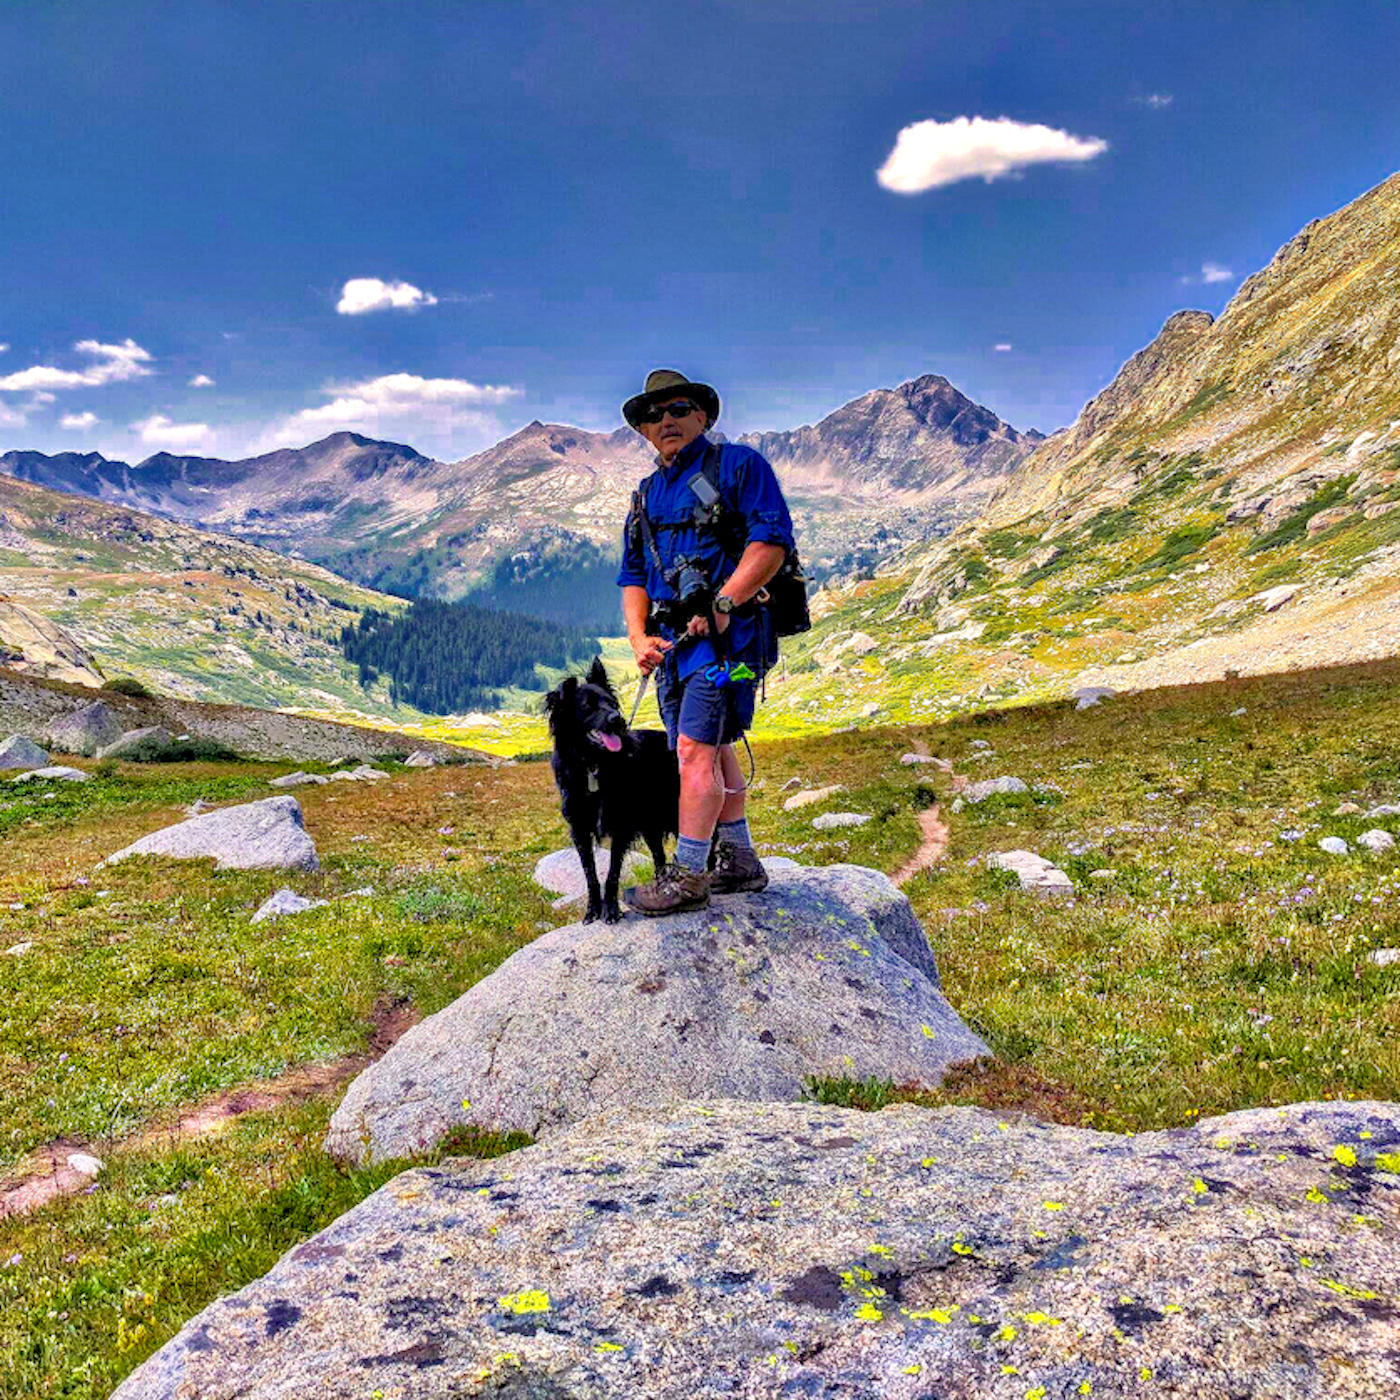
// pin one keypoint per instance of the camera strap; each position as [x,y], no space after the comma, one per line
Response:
[639,505]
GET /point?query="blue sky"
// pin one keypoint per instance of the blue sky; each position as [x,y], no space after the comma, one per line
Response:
[563,196]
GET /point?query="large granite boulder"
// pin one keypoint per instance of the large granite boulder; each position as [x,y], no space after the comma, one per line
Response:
[86,730]
[19,752]
[57,772]
[785,1250]
[266,835]
[136,743]
[827,973]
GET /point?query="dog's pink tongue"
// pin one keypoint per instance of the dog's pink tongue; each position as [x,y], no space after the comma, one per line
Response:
[611,742]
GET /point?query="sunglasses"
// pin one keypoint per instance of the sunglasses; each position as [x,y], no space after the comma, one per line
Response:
[680,409]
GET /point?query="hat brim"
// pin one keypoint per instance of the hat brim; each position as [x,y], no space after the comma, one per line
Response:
[701,393]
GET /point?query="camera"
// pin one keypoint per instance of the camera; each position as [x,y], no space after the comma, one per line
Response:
[688,581]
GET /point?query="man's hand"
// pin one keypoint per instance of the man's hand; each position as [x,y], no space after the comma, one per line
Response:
[700,626]
[649,651]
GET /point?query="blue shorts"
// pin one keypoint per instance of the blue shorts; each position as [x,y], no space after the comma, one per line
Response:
[703,711]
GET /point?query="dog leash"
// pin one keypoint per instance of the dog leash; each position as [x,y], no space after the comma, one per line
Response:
[641,692]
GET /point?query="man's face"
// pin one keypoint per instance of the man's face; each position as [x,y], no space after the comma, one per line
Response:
[676,429]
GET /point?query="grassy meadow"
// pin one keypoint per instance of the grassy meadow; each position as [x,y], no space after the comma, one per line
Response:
[1211,958]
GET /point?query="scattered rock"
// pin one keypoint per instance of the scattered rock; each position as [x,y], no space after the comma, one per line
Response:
[1103,874]
[791,783]
[561,872]
[910,760]
[1386,809]
[1034,872]
[1376,840]
[1346,809]
[154,735]
[265,835]
[19,752]
[979,744]
[366,771]
[299,779]
[59,772]
[808,796]
[86,730]
[284,902]
[957,804]
[830,821]
[667,1253]
[870,709]
[198,806]
[1236,713]
[1334,846]
[420,758]
[18,950]
[1273,599]
[979,792]
[342,775]
[1385,957]
[826,972]
[1086,697]
[85,1164]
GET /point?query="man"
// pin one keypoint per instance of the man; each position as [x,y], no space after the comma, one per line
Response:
[708,667]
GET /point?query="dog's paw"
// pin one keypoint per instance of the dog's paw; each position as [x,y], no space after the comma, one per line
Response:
[592,913]
[611,913]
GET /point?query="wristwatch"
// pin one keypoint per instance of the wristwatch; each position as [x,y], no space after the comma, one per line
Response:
[724,604]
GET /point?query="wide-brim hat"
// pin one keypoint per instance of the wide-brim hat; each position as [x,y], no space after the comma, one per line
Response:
[668,384]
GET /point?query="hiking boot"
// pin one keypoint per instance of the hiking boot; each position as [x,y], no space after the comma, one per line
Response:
[674,890]
[737,869]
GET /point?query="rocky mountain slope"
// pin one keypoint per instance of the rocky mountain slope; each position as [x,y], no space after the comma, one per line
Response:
[892,467]
[1231,501]
[89,589]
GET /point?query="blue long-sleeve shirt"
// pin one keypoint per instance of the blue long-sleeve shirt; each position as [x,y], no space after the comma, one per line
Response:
[753,499]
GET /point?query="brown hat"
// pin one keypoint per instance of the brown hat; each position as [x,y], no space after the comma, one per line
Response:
[666,384]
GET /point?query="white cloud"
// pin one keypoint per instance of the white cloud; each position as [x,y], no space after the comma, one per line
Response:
[1157,100]
[79,422]
[201,381]
[1210,272]
[1003,347]
[3,347]
[362,294]
[12,417]
[405,405]
[114,363]
[929,153]
[159,431]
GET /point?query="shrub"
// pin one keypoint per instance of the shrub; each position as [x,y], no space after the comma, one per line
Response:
[129,685]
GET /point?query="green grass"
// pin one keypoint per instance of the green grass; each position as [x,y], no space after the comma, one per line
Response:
[1294,526]
[1220,966]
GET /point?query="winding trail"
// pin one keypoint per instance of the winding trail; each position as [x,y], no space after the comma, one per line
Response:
[933,829]
[45,1175]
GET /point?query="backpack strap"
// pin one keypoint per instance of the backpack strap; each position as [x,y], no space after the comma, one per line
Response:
[714,512]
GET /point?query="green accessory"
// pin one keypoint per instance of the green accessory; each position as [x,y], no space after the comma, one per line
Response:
[742,672]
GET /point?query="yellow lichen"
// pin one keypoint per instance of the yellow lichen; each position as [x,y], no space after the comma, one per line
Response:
[1345,1155]
[530,1300]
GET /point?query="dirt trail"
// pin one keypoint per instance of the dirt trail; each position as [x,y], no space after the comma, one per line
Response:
[45,1175]
[933,829]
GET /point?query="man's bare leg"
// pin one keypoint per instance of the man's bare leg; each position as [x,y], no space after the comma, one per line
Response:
[736,786]
[702,799]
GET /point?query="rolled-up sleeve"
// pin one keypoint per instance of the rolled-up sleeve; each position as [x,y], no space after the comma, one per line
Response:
[761,503]
[632,572]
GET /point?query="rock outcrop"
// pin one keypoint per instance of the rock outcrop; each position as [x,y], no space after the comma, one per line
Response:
[135,742]
[713,1249]
[266,835]
[19,752]
[32,644]
[825,973]
[86,730]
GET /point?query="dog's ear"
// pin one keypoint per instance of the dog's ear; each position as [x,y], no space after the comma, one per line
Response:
[557,702]
[598,674]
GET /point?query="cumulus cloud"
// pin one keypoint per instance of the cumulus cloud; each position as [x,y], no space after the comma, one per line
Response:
[113,363]
[1002,347]
[1157,100]
[159,431]
[362,294]
[929,153]
[79,422]
[201,381]
[405,404]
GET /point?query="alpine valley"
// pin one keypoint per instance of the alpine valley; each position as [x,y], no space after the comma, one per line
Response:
[1227,503]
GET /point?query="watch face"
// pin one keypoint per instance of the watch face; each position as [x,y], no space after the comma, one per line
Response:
[724,603]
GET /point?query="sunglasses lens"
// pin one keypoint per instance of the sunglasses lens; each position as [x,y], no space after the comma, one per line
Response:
[679,409]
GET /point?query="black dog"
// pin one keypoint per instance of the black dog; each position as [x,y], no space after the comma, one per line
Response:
[617,784]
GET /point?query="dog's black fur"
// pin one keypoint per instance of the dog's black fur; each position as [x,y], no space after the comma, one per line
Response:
[619,796]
